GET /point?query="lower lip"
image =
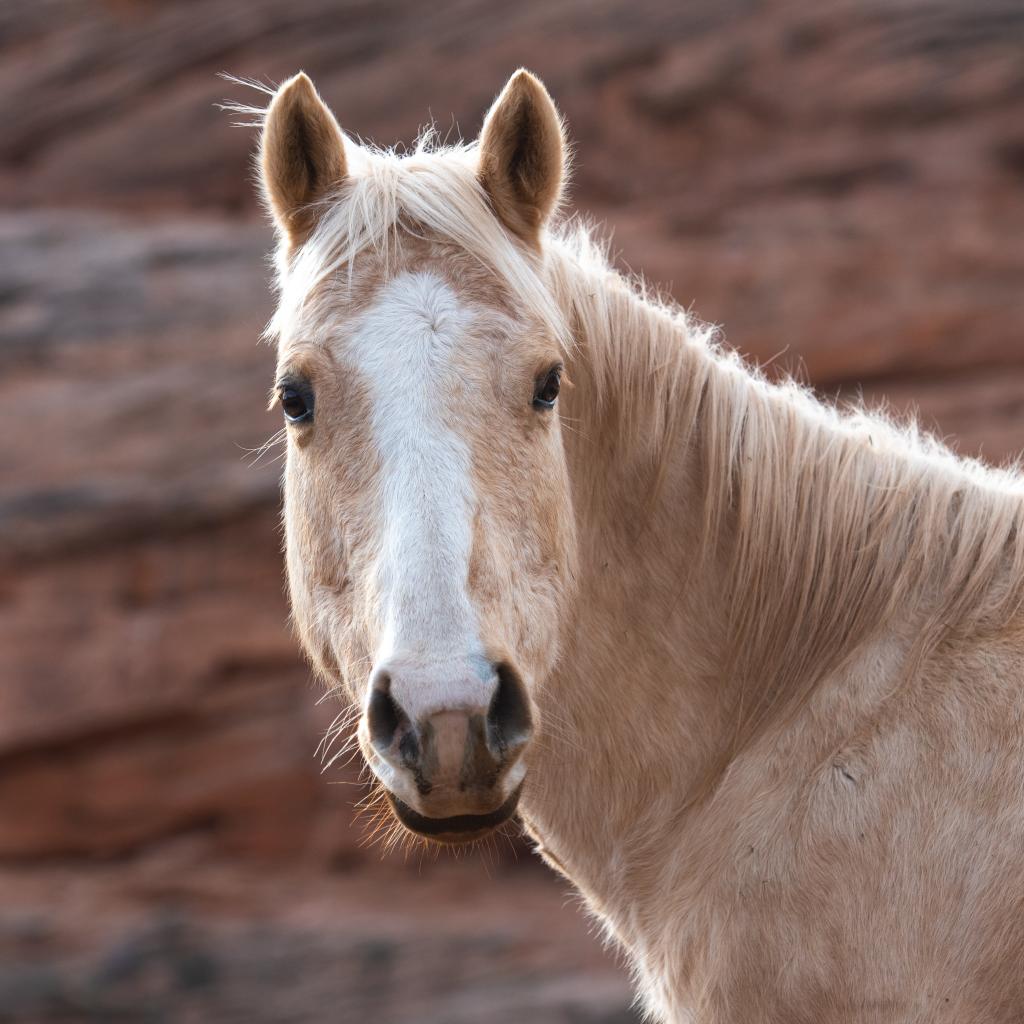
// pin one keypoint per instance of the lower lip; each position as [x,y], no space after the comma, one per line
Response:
[453,831]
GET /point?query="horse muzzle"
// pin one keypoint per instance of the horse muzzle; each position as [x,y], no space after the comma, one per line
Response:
[454,774]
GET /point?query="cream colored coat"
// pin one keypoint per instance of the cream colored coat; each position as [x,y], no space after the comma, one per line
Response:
[773,651]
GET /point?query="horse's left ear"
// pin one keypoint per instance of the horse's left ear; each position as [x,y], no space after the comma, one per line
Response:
[302,157]
[522,156]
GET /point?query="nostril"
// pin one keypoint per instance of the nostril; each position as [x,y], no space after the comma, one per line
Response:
[384,717]
[508,717]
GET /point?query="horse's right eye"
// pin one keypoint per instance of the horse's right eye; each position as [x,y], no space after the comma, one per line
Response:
[298,408]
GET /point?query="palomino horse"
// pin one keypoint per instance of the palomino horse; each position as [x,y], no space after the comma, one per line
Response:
[749,668]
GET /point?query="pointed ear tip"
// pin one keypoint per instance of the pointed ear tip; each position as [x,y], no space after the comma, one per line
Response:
[526,80]
[300,85]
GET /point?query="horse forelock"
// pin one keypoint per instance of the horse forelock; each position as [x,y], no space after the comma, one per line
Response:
[430,192]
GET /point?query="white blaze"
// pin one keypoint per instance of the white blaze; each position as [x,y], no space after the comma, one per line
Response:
[404,348]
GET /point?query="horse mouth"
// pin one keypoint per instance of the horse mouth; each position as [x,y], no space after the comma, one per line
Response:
[457,829]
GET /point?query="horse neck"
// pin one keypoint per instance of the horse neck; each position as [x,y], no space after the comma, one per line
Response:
[717,582]
[637,710]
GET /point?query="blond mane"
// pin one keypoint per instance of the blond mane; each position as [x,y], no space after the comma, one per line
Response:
[836,517]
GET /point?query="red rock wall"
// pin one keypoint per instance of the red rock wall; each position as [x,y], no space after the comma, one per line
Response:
[839,184]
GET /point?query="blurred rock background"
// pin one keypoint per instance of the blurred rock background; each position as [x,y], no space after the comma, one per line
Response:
[840,184]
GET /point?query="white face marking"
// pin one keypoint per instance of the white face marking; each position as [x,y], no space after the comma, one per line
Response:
[403,347]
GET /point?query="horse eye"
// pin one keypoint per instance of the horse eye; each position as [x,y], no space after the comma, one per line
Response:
[297,407]
[546,390]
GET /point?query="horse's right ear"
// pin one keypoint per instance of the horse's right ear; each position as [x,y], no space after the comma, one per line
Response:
[302,157]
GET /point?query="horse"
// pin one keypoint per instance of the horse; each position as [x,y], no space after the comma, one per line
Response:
[747,665]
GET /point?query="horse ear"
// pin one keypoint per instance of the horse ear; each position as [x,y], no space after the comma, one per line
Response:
[522,156]
[302,156]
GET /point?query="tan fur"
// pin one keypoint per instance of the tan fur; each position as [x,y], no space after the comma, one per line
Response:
[775,650]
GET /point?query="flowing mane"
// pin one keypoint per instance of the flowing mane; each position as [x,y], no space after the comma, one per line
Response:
[837,517]
[840,516]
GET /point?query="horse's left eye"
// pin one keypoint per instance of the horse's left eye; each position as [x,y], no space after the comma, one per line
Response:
[298,408]
[546,389]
